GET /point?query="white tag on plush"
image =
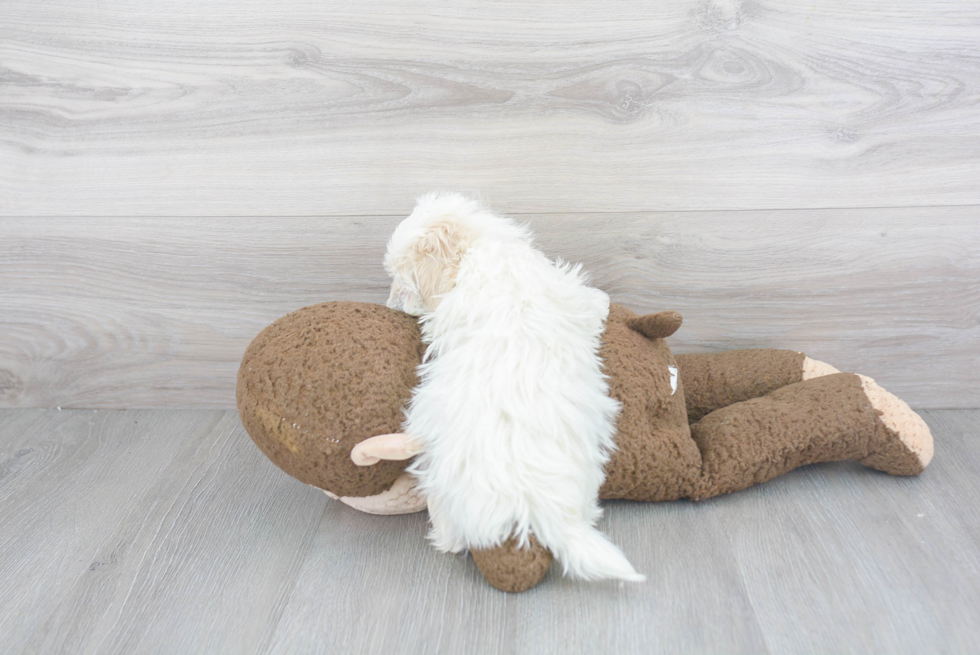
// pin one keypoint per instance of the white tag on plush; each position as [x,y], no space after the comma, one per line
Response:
[673,379]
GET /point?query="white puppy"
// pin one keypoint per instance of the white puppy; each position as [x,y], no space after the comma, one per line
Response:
[512,411]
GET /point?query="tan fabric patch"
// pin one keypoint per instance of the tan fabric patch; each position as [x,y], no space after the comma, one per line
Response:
[813,368]
[903,425]
[401,498]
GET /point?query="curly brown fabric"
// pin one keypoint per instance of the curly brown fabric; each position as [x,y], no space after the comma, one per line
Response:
[718,380]
[318,381]
[323,378]
[511,568]
[826,419]
[655,459]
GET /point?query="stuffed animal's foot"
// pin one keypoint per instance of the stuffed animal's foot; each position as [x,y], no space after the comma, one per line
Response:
[905,446]
[401,498]
[813,368]
[827,419]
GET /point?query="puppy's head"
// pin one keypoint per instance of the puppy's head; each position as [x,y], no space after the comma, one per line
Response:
[425,250]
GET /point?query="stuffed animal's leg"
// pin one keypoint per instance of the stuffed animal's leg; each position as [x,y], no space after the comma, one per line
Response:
[713,381]
[835,417]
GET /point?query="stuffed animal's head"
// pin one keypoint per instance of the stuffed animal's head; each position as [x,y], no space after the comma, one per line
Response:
[324,378]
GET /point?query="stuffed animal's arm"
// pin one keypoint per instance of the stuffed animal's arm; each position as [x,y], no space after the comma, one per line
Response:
[402,497]
[395,446]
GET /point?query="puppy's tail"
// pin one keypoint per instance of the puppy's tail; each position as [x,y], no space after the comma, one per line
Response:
[586,553]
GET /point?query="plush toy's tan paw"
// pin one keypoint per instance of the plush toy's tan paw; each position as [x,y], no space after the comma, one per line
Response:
[813,368]
[907,448]
[401,498]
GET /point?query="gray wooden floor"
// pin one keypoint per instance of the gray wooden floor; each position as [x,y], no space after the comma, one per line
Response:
[166,531]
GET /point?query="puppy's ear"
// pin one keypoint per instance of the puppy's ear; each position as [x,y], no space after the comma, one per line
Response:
[437,255]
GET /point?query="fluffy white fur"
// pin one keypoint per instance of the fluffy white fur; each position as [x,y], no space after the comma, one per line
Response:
[512,410]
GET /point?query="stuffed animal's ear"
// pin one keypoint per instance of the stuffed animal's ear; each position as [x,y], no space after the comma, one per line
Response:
[437,254]
[656,326]
[395,446]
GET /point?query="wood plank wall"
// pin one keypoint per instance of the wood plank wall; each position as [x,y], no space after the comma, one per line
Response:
[174,175]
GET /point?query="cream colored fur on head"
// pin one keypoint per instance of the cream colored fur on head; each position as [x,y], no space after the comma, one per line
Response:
[512,411]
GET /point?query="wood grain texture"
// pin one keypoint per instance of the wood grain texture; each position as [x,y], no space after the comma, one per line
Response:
[169,532]
[443,605]
[68,480]
[156,312]
[126,107]
[871,528]
[112,517]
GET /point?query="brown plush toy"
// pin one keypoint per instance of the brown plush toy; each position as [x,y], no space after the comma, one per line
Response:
[327,384]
